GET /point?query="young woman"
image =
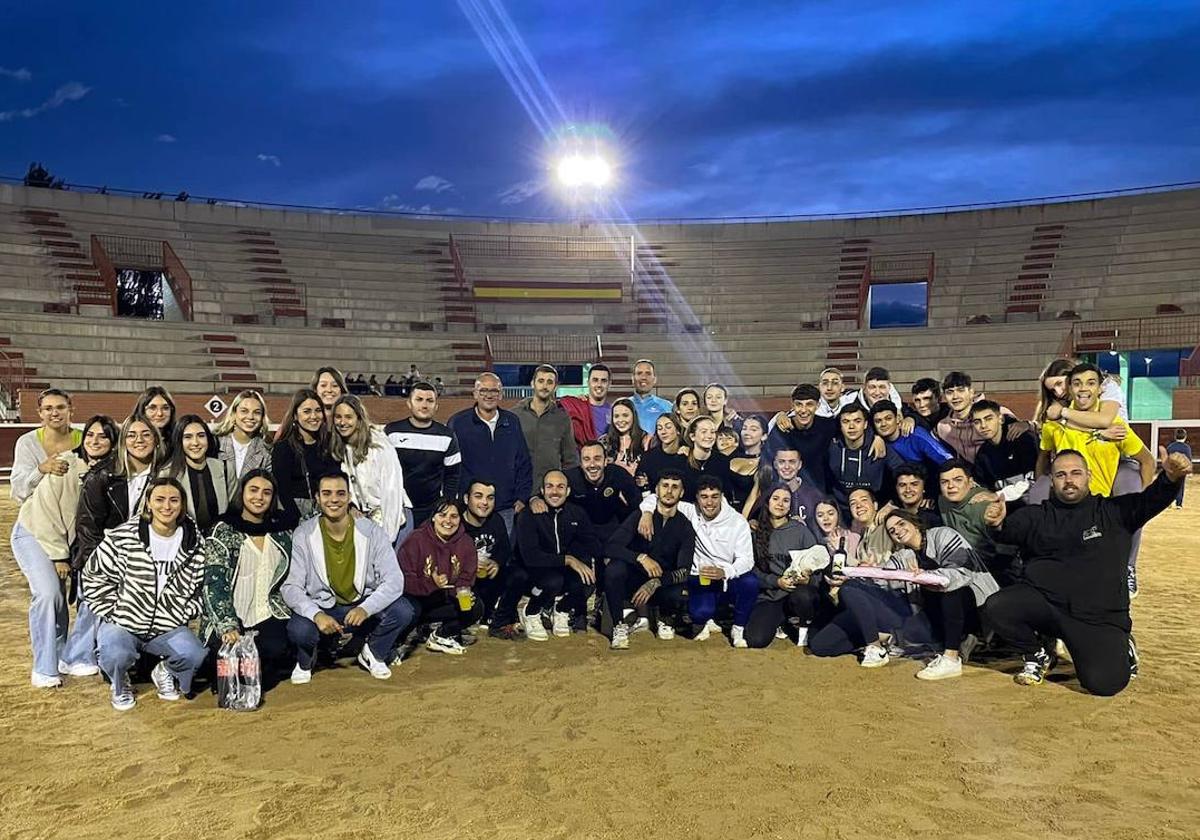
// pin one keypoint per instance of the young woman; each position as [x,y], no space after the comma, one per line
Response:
[369,459]
[687,406]
[754,432]
[36,454]
[242,435]
[206,481]
[329,385]
[700,447]
[662,454]
[780,598]
[625,443]
[954,609]
[439,562]
[301,454]
[112,492]
[716,405]
[143,581]
[41,544]
[840,541]
[245,562]
[156,406]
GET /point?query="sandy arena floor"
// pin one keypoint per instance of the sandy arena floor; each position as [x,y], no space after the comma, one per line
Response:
[669,740]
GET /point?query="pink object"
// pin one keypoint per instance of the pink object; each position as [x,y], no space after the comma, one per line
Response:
[920,578]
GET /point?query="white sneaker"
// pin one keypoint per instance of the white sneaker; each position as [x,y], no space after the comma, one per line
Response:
[164,682]
[124,701]
[561,623]
[665,631]
[642,625]
[941,668]
[801,637]
[442,644]
[620,638]
[874,656]
[377,669]
[45,680]
[301,676]
[737,635]
[78,669]
[780,633]
[534,629]
[707,630]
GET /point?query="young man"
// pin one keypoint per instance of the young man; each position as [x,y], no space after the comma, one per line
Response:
[428,452]
[956,429]
[806,431]
[546,426]
[723,567]
[492,545]
[919,447]
[343,579]
[832,393]
[928,408]
[557,550]
[653,572]
[877,386]
[1003,464]
[962,506]
[1103,455]
[1076,547]
[1179,445]
[605,492]
[851,463]
[590,417]
[649,406]
[910,481]
[494,449]
[788,470]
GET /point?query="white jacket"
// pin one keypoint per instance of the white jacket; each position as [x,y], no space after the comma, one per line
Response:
[377,485]
[724,541]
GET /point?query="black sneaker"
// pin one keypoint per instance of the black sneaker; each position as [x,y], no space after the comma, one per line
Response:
[508,632]
[1037,665]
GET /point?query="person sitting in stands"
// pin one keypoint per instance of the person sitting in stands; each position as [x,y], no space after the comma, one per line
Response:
[143,582]
[344,579]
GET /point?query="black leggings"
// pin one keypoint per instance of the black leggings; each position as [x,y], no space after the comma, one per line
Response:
[768,616]
[443,606]
[953,614]
[543,585]
[866,611]
[1100,652]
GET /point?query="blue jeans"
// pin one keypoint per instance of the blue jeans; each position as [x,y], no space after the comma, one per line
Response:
[47,602]
[405,529]
[509,516]
[81,643]
[381,630]
[119,651]
[703,600]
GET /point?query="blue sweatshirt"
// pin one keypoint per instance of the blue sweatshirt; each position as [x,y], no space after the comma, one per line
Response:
[502,460]
[918,447]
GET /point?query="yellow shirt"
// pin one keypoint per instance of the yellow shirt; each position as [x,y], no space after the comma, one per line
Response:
[1102,455]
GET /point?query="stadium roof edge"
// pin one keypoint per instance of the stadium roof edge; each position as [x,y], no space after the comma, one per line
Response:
[682,220]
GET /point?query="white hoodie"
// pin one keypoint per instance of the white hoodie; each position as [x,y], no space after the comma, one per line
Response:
[377,484]
[723,541]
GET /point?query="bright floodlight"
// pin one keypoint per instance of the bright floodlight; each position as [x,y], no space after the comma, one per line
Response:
[576,171]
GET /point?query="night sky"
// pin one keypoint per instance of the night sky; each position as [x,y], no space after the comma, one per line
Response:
[711,109]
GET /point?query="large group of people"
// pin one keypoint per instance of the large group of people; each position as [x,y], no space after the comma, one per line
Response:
[853,524]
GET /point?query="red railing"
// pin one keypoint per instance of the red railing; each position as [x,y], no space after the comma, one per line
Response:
[1157,333]
[108,273]
[460,274]
[178,277]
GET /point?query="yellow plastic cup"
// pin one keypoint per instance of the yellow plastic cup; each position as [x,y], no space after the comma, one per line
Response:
[465,600]
[705,581]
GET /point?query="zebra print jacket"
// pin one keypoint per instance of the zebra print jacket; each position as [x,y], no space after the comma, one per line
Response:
[120,581]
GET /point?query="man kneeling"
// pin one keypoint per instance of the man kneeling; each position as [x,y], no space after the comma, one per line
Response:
[654,572]
[344,579]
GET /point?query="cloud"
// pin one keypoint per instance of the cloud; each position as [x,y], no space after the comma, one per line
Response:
[392,202]
[520,192]
[271,159]
[70,92]
[434,183]
[165,138]
[21,74]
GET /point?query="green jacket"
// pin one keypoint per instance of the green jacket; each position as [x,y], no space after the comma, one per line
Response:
[222,549]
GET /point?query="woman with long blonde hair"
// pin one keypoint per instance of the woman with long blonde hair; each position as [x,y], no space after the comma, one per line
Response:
[242,435]
[369,459]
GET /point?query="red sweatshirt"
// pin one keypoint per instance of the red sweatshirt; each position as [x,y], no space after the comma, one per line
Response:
[423,553]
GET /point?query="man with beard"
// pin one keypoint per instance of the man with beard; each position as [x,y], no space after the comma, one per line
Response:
[492,547]
[546,426]
[590,416]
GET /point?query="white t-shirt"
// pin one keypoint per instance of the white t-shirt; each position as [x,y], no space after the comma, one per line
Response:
[1110,391]
[136,485]
[239,453]
[164,550]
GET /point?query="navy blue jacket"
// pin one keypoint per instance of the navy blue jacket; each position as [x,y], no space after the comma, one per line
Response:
[504,461]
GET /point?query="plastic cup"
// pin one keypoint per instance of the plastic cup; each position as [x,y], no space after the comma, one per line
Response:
[465,599]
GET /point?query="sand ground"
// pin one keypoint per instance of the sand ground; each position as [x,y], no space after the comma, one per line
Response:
[668,740]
